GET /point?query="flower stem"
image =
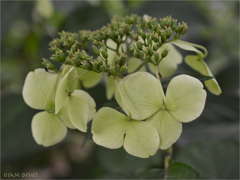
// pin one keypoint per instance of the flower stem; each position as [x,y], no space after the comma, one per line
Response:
[167,159]
[139,67]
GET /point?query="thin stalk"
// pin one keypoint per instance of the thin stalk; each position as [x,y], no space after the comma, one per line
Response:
[167,159]
[122,98]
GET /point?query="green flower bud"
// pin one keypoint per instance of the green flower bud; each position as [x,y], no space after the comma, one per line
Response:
[155,47]
[164,53]
[123,69]
[139,45]
[149,42]
[96,51]
[136,54]
[112,70]
[156,57]
[48,65]
[150,51]
[104,54]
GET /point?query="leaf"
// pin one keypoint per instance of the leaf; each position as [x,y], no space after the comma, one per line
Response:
[168,65]
[48,129]
[185,98]
[66,87]
[38,87]
[184,45]
[152,174]
[78,112]
[213,159]
[168,127]
[182,171]
[198,64]
[89,100]
[142,94]
[109,127]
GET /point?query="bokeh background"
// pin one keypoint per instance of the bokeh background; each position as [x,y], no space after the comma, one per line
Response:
[209,144]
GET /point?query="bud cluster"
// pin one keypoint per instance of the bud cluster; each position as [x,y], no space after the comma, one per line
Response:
[89,49]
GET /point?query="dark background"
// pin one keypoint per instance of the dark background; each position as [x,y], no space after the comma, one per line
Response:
[209,144]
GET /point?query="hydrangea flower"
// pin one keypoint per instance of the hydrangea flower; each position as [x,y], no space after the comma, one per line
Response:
[64,105]
[141,97]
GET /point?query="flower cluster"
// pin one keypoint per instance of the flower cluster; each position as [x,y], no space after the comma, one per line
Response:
[122,52]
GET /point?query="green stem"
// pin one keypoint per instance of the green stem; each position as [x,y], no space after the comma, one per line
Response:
[167,159]
[195,45]
[157,74]
[122,98]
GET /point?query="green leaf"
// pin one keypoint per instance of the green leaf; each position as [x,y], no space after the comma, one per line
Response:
[78,112]
[168,127]
[89,79]
[168,65]
[38,88]
[182,171]
[152,174]
[48,129]
[142,94]
[89,100]
[63,115]
[184,45]
[109,127]
[185,98]
[198,64]
[213,159]
[66,87]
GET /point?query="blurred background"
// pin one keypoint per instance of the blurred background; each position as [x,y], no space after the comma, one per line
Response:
[209,144]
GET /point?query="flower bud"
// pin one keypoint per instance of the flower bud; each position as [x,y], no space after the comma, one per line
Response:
[150,51]
[96,51]
[156,57]
[139,45]
[164,53]
[104,54]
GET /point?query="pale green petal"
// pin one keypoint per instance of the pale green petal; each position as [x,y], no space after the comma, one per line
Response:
[188,47]
[108,128]
[199,65]
[168,127]
[142,95]
[78,112]
[185,98]
[66,87]
[89,79]
[133,63]
[111,54]
[89,100]
[213,86]
[48,129]
[45,8]
[110,86]
[38,88]
[168,65]
[141,139]
[63,115]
